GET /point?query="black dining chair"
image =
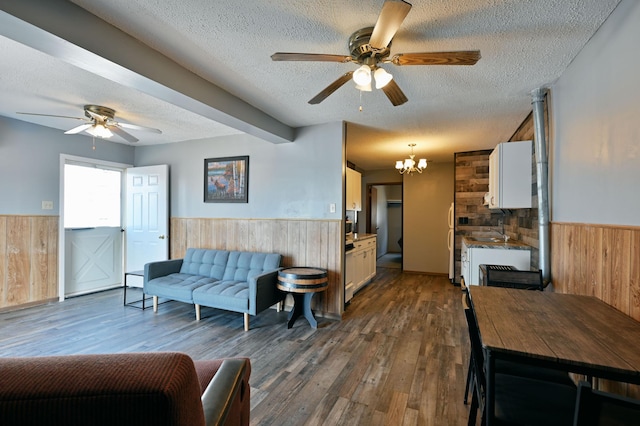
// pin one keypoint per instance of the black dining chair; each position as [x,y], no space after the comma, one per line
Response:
[598,408]
[507,276]
[518,400]
[515,369]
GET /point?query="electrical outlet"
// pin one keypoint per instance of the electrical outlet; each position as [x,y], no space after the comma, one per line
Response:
[332,208]
[47,205]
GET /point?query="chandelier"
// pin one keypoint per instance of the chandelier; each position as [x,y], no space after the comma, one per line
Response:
[409,164]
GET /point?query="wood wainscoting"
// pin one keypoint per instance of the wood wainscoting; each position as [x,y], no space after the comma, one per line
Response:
[598,260]
[302,242]
[28,260]
[601,261]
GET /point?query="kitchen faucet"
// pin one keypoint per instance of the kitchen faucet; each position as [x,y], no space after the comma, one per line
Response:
[501,231]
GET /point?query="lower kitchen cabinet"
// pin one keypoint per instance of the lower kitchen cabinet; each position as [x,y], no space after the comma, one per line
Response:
[361,264]
[510,254]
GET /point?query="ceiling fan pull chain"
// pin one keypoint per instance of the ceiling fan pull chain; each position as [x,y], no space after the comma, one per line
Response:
[93,138]
[360,109]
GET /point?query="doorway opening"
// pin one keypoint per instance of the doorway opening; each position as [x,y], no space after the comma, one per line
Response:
[384,204]
[91,238]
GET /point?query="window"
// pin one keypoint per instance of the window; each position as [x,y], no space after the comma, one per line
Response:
[92,197]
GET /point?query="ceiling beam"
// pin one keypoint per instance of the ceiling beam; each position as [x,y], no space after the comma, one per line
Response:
[66,31]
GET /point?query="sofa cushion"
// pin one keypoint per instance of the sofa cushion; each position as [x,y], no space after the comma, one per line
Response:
[205,262]
[177,286]
[110,389]
[242,266]
[231,294]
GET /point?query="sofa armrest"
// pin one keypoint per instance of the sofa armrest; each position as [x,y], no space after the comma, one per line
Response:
[228,385]
[161,268]
[263,292]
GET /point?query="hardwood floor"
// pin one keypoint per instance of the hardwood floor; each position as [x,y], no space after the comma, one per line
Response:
[398,357]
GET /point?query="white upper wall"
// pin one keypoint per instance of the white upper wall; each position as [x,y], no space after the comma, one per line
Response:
[595,107]
[288,181]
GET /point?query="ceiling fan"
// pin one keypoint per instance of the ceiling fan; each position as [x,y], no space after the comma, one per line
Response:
[100,122]
[370,47]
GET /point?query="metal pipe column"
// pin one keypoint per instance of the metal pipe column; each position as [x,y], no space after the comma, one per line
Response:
[542,170]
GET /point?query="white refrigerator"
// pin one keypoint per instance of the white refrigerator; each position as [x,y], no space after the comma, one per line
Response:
[451,243]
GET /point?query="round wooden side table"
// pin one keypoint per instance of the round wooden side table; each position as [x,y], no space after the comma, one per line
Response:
[302,283]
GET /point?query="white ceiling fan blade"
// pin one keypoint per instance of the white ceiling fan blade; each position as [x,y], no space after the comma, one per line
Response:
[124,135]
[99,118]
[135,127]
[391,17]
[50,115]
[78,129]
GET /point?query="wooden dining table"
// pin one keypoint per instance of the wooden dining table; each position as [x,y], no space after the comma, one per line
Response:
[579,334]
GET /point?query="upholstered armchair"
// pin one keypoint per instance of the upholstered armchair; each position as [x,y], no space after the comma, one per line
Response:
[155,388]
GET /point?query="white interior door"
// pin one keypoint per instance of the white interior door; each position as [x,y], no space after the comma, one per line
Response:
[93,259]
[92,227]
[147,218]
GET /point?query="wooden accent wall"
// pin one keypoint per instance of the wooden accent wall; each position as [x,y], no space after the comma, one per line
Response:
[471,180]
[601,261]
[302,242]
[523,223]
[598,260]
[28,260]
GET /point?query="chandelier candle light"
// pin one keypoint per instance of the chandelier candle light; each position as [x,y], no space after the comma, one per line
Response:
[409,164]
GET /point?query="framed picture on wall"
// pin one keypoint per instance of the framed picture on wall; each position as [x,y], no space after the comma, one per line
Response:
[226,180]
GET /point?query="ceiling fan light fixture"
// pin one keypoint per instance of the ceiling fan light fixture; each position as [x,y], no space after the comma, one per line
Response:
[382,78]
[99,131]
[362,76]
[364,88]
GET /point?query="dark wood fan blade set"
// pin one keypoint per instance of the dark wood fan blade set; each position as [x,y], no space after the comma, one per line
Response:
[371,46]
[100,117]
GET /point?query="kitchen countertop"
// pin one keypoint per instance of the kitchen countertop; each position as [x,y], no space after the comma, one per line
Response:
[494,243]
[360,237]
[356,238]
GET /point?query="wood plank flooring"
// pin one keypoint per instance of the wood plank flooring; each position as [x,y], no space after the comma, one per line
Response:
[398,357]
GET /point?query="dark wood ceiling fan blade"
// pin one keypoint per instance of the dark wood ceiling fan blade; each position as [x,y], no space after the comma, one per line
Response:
[463,57]
[318,57]
[394,93]
[331,88]
[124,135]
[78,129]
[391,17]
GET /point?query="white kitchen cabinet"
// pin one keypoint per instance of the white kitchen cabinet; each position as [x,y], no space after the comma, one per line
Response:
[354,190]
[472,257]
[349,273]
[510,176]
[362,263]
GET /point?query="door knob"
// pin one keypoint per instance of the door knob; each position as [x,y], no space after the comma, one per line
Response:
[161,237]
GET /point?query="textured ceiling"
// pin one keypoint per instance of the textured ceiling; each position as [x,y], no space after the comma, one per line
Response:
[524,45]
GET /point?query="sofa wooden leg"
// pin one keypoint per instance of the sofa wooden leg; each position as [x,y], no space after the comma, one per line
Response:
[155,303]
[246,322]
[197,312]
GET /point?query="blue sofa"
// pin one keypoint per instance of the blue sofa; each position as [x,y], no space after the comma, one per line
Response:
[235,281]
